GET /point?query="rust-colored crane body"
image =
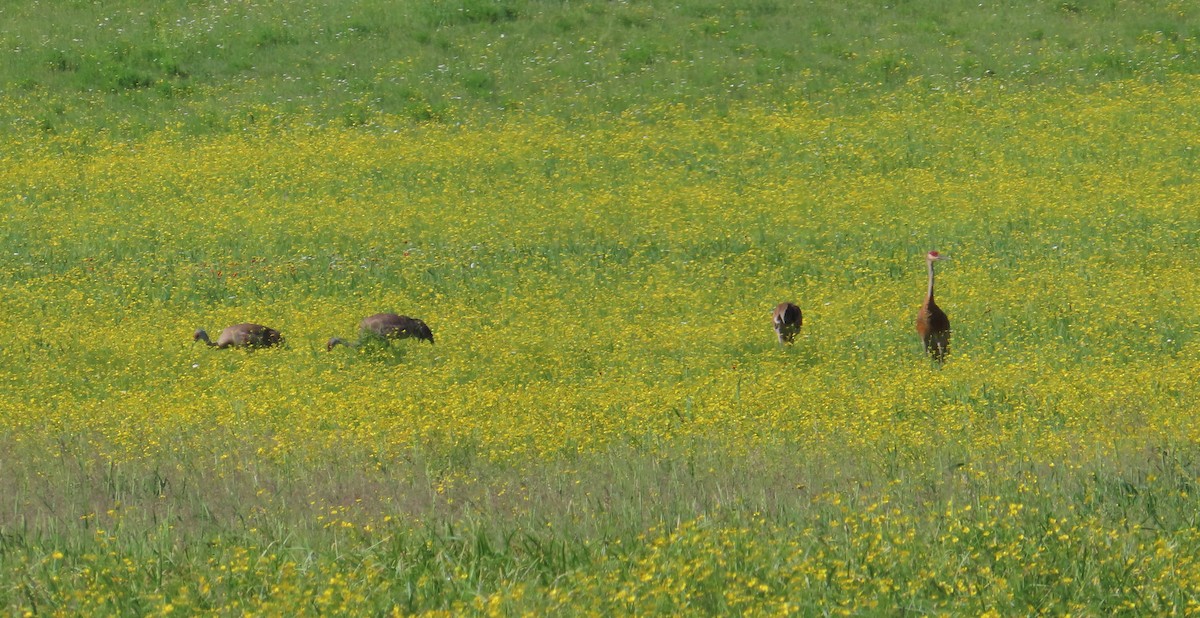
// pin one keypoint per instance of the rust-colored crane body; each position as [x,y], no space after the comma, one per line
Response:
[787,319]
[245,335]
[386,326]
[932,323]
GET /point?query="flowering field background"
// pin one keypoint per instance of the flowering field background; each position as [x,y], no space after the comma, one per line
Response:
[595,208]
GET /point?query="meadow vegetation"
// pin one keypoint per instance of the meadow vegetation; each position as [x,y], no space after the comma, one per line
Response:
[596,206]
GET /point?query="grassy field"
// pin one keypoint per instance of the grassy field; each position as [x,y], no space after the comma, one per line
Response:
[595,206]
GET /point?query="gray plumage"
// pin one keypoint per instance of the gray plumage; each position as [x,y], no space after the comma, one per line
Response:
[932,324]
[242,336]
[788,320]
[386,327]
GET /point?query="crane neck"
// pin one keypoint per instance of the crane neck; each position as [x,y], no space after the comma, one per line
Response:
[929,295]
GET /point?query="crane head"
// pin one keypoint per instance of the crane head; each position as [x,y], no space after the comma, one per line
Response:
[934,256]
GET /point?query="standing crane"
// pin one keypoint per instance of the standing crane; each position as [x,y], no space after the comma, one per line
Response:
[932,323]
[386,326]
[787,319]
[242,336]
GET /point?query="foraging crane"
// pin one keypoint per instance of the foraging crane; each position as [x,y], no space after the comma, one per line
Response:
[386,326]
[932,323]
[787,319]
[242,336]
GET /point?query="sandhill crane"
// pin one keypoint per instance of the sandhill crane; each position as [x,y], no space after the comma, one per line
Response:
[932,323]
[787,319]
[386,326]
[242,336]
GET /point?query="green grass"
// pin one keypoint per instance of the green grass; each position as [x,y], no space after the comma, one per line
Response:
[132,67]
[611,517]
